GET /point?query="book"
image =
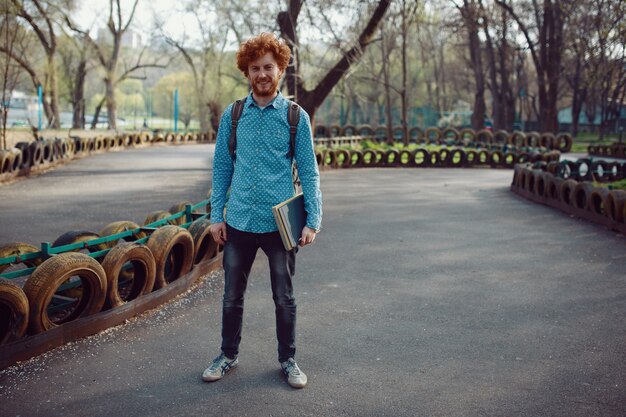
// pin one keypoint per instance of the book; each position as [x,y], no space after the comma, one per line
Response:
[290,218]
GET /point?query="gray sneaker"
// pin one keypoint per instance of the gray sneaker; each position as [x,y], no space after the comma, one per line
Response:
[295,377]
[218,368]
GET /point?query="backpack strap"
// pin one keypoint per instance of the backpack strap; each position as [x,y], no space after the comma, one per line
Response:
[293,117]
[235,114]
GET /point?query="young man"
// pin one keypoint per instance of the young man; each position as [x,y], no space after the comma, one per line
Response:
[260,176]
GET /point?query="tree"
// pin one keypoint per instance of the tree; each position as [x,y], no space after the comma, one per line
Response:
[164,100]
[207,56]
[543,33]
[11,37]
[472,15]
[311,99]
[109,55]
[41,16]
[74,53]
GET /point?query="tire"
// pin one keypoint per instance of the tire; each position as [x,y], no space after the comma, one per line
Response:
[553,186]
[582,193]
[533,139]
[13,312]
[615,205]
[119,227]
[41,287]
[444,157]
[19,248]
[467,135]
[483,158]
[496,159]
[173,251]
[36,151]
[564,142]
[391,158]
[204,246]
[432,135]
[484,136]
[366,131]
[356,158]
[155,216]
[583,170]
[518,139]
[470,158]
[420,158]
[501,137]
[547,140]
[6,161]
[457,158]
[450,133]
[566,191]
[348,130]
[435,159]
[540,183]
[141,278]
[509,159]
[404,158]
[369,158]
[598,201]
[343,158]
[75,236]
[330,158]
[415,134]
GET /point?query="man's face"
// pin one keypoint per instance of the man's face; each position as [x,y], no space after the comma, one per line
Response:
[264,75]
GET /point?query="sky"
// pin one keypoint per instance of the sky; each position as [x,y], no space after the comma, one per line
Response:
[97,11]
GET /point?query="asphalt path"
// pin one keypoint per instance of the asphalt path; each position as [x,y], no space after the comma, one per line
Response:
[429,292]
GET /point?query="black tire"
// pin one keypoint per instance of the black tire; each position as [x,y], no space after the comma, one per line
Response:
[173,251]
[205,247]
[18,248]
[75,236]
[615,205]
[124,285]
[119,227]
[13,312]
[41,288]
[420,157]
[155,216]
[458,158]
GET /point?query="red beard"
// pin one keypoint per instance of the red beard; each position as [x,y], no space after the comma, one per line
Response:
[268,89]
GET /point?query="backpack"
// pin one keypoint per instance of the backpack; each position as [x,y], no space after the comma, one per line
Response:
[293,117]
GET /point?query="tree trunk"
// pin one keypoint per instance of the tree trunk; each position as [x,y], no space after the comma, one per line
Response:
[96,115]
[310,100]
[469,13]
[78,98]
[110,101]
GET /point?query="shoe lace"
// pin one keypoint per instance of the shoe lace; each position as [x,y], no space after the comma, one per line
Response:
[217,362]
[292,369]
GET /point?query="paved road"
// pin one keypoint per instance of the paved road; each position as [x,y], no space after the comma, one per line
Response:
[430,292]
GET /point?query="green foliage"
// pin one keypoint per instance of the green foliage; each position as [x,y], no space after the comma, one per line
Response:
[163,95]
[617,185]
[131,87]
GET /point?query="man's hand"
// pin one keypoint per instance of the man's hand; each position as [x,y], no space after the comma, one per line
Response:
[218,231]
[307,237]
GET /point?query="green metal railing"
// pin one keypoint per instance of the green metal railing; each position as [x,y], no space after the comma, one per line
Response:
[47,250]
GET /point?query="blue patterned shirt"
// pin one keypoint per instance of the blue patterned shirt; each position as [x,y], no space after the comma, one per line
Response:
[261,175]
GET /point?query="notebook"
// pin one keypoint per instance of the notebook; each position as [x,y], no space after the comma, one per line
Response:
[290,218]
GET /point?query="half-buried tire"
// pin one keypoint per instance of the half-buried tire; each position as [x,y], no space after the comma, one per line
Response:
[172,247]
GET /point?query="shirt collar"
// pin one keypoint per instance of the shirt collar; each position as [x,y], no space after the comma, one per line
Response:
[278,102]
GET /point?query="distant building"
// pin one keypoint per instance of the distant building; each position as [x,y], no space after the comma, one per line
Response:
[130,38]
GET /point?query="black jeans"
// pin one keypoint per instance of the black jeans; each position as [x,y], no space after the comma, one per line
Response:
[239,253]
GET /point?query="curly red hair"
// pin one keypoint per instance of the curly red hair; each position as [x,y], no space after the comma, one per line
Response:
[258,46]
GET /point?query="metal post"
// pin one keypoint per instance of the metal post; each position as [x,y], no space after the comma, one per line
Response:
[39,105]
[176,111]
